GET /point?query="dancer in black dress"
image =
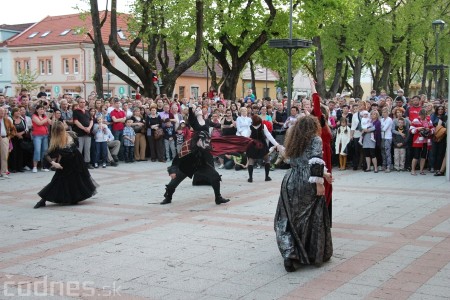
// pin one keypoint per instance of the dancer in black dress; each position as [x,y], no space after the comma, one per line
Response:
[195,158]
[258,148]
[72,182]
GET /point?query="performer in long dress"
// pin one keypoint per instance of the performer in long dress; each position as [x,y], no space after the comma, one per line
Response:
[195,158]
[302,223]
[72,181]
[321,112]
[259,147]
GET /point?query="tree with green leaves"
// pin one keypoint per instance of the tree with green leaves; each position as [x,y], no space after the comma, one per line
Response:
[161,26]
[27,79]
[234,31]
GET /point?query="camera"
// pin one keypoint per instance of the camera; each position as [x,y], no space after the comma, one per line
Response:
[50,110]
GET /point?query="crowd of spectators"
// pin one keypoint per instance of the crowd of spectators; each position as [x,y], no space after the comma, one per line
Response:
[377,134]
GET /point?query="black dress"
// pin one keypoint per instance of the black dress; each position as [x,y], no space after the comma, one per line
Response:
[71,184]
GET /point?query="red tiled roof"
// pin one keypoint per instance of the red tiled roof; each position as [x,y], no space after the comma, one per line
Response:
[58,24]
[16,27]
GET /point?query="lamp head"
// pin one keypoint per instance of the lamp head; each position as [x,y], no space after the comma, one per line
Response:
[438,24]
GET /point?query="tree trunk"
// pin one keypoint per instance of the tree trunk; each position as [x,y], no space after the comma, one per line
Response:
[423,87]
[252,76]
[386,70]
[97,40]
[320,67]
[407,80]
[358,91]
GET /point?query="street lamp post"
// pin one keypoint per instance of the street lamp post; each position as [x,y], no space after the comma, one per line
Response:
[288,45]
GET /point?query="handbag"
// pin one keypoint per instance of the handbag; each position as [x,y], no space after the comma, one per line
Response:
[439,133]
[159,133]
[27,145]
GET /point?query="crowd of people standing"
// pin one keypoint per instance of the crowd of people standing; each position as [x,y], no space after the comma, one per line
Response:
[380,133]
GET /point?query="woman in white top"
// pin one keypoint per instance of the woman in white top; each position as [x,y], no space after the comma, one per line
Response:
[243,123]
[386,139]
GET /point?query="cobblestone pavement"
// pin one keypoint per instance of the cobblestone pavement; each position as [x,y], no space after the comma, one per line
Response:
[390,234]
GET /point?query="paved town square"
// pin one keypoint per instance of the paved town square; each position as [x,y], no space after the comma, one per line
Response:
[390,235]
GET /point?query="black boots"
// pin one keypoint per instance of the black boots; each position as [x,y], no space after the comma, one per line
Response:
[267,169]
[250,173]
[168,195]
[40,204]
[220,200]
[289,265]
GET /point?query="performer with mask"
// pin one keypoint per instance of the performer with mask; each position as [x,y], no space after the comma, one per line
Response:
[194,158]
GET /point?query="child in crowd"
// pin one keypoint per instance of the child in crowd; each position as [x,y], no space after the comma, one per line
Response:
[102,135]
[186,130]
[366,123]
[128,141]
[399,138]
[169,139]
[180,138]
[342,140]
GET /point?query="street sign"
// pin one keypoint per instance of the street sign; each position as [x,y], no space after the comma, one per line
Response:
[121,90]
[56,89]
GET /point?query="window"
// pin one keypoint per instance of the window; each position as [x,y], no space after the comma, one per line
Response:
[266,92]
[33,34]
[75,66]
[181,92]
[65,32]
[1,66]
[22,64]
[194,92]
[18,67]
[121,35]
[70,64]
[45,34]
[49,66]
[66,67]
[42,67]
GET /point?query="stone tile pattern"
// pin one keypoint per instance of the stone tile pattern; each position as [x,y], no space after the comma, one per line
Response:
[390,234]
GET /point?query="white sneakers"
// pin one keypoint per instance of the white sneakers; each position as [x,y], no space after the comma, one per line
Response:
[34,170]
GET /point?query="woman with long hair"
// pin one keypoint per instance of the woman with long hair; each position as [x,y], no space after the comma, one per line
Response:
[302,223]
[72,182]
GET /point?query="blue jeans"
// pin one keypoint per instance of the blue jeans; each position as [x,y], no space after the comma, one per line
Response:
[40,143]
[101,151]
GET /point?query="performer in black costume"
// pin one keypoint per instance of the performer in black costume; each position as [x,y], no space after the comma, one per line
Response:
[258,148]
[72,182]
[198,161]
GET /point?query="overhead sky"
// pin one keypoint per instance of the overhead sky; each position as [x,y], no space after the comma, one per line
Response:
[30,11]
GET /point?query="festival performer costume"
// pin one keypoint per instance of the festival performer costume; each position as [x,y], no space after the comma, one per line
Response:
[326,137]
[72,181]
[302,224]
[258,148]
[195,158]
